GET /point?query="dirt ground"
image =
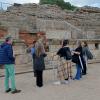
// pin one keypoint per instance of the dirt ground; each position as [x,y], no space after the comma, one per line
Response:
[88,88]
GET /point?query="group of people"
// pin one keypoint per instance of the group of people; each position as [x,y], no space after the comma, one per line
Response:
[67,56]
[79,56]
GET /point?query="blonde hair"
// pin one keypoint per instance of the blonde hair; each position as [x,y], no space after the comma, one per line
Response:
[79,43]
[39,49]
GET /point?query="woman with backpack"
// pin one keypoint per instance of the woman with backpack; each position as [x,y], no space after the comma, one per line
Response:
[86,55]
[64,70]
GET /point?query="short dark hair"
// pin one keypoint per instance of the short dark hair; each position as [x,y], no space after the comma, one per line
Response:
[65,42]
[8,38]
[85,44]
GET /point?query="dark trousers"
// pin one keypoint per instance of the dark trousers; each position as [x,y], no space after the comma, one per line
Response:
[84,70]
[33,67]
[39,78]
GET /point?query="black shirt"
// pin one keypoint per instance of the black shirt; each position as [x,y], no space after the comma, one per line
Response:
[65,52]
[79,49]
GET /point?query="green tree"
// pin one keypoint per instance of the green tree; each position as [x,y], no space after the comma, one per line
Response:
[47,1]
[60,3]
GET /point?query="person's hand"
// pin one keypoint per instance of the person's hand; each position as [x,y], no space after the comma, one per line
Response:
[74,52]
[78,53]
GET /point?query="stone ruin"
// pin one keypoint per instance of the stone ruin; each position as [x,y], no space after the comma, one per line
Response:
[56,23]
[24,21]
[32,18]
[86,19]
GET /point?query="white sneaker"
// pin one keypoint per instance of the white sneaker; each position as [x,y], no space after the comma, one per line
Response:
[57,83]
[64,82]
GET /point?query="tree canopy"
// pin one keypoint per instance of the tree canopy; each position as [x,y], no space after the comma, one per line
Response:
[60,3]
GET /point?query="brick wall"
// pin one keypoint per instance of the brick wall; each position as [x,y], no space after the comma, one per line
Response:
[27,37]
[3,33]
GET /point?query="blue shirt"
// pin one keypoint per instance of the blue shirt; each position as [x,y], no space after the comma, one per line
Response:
[32,50]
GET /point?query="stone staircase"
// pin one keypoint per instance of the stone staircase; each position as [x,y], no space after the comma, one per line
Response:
[86,20]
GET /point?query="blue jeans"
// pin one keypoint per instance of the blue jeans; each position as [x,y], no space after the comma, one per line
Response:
[79,72]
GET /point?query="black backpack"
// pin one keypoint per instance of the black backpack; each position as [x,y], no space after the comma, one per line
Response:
[89,55]
[68,53]
[65,52]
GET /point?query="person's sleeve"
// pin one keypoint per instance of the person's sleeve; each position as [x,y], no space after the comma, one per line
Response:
[32,50]
[59,52]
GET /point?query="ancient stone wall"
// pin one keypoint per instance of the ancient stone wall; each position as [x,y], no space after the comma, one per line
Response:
[34,18]
[82,23]
[27,37]
[22,22]
[86,19]
[2,33]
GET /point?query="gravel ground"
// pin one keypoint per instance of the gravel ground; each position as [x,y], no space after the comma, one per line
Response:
[88,88]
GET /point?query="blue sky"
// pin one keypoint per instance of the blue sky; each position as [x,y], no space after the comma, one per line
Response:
[95,3]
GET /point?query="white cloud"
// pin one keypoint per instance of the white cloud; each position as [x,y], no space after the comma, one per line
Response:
[84,2]
[20,1]
[6,3]
[95,5]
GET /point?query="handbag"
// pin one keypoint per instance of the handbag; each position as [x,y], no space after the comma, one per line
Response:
[44,54]
[89,55]
[75,58]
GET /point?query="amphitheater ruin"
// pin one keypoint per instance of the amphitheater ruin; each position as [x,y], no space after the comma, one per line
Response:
[24,21]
